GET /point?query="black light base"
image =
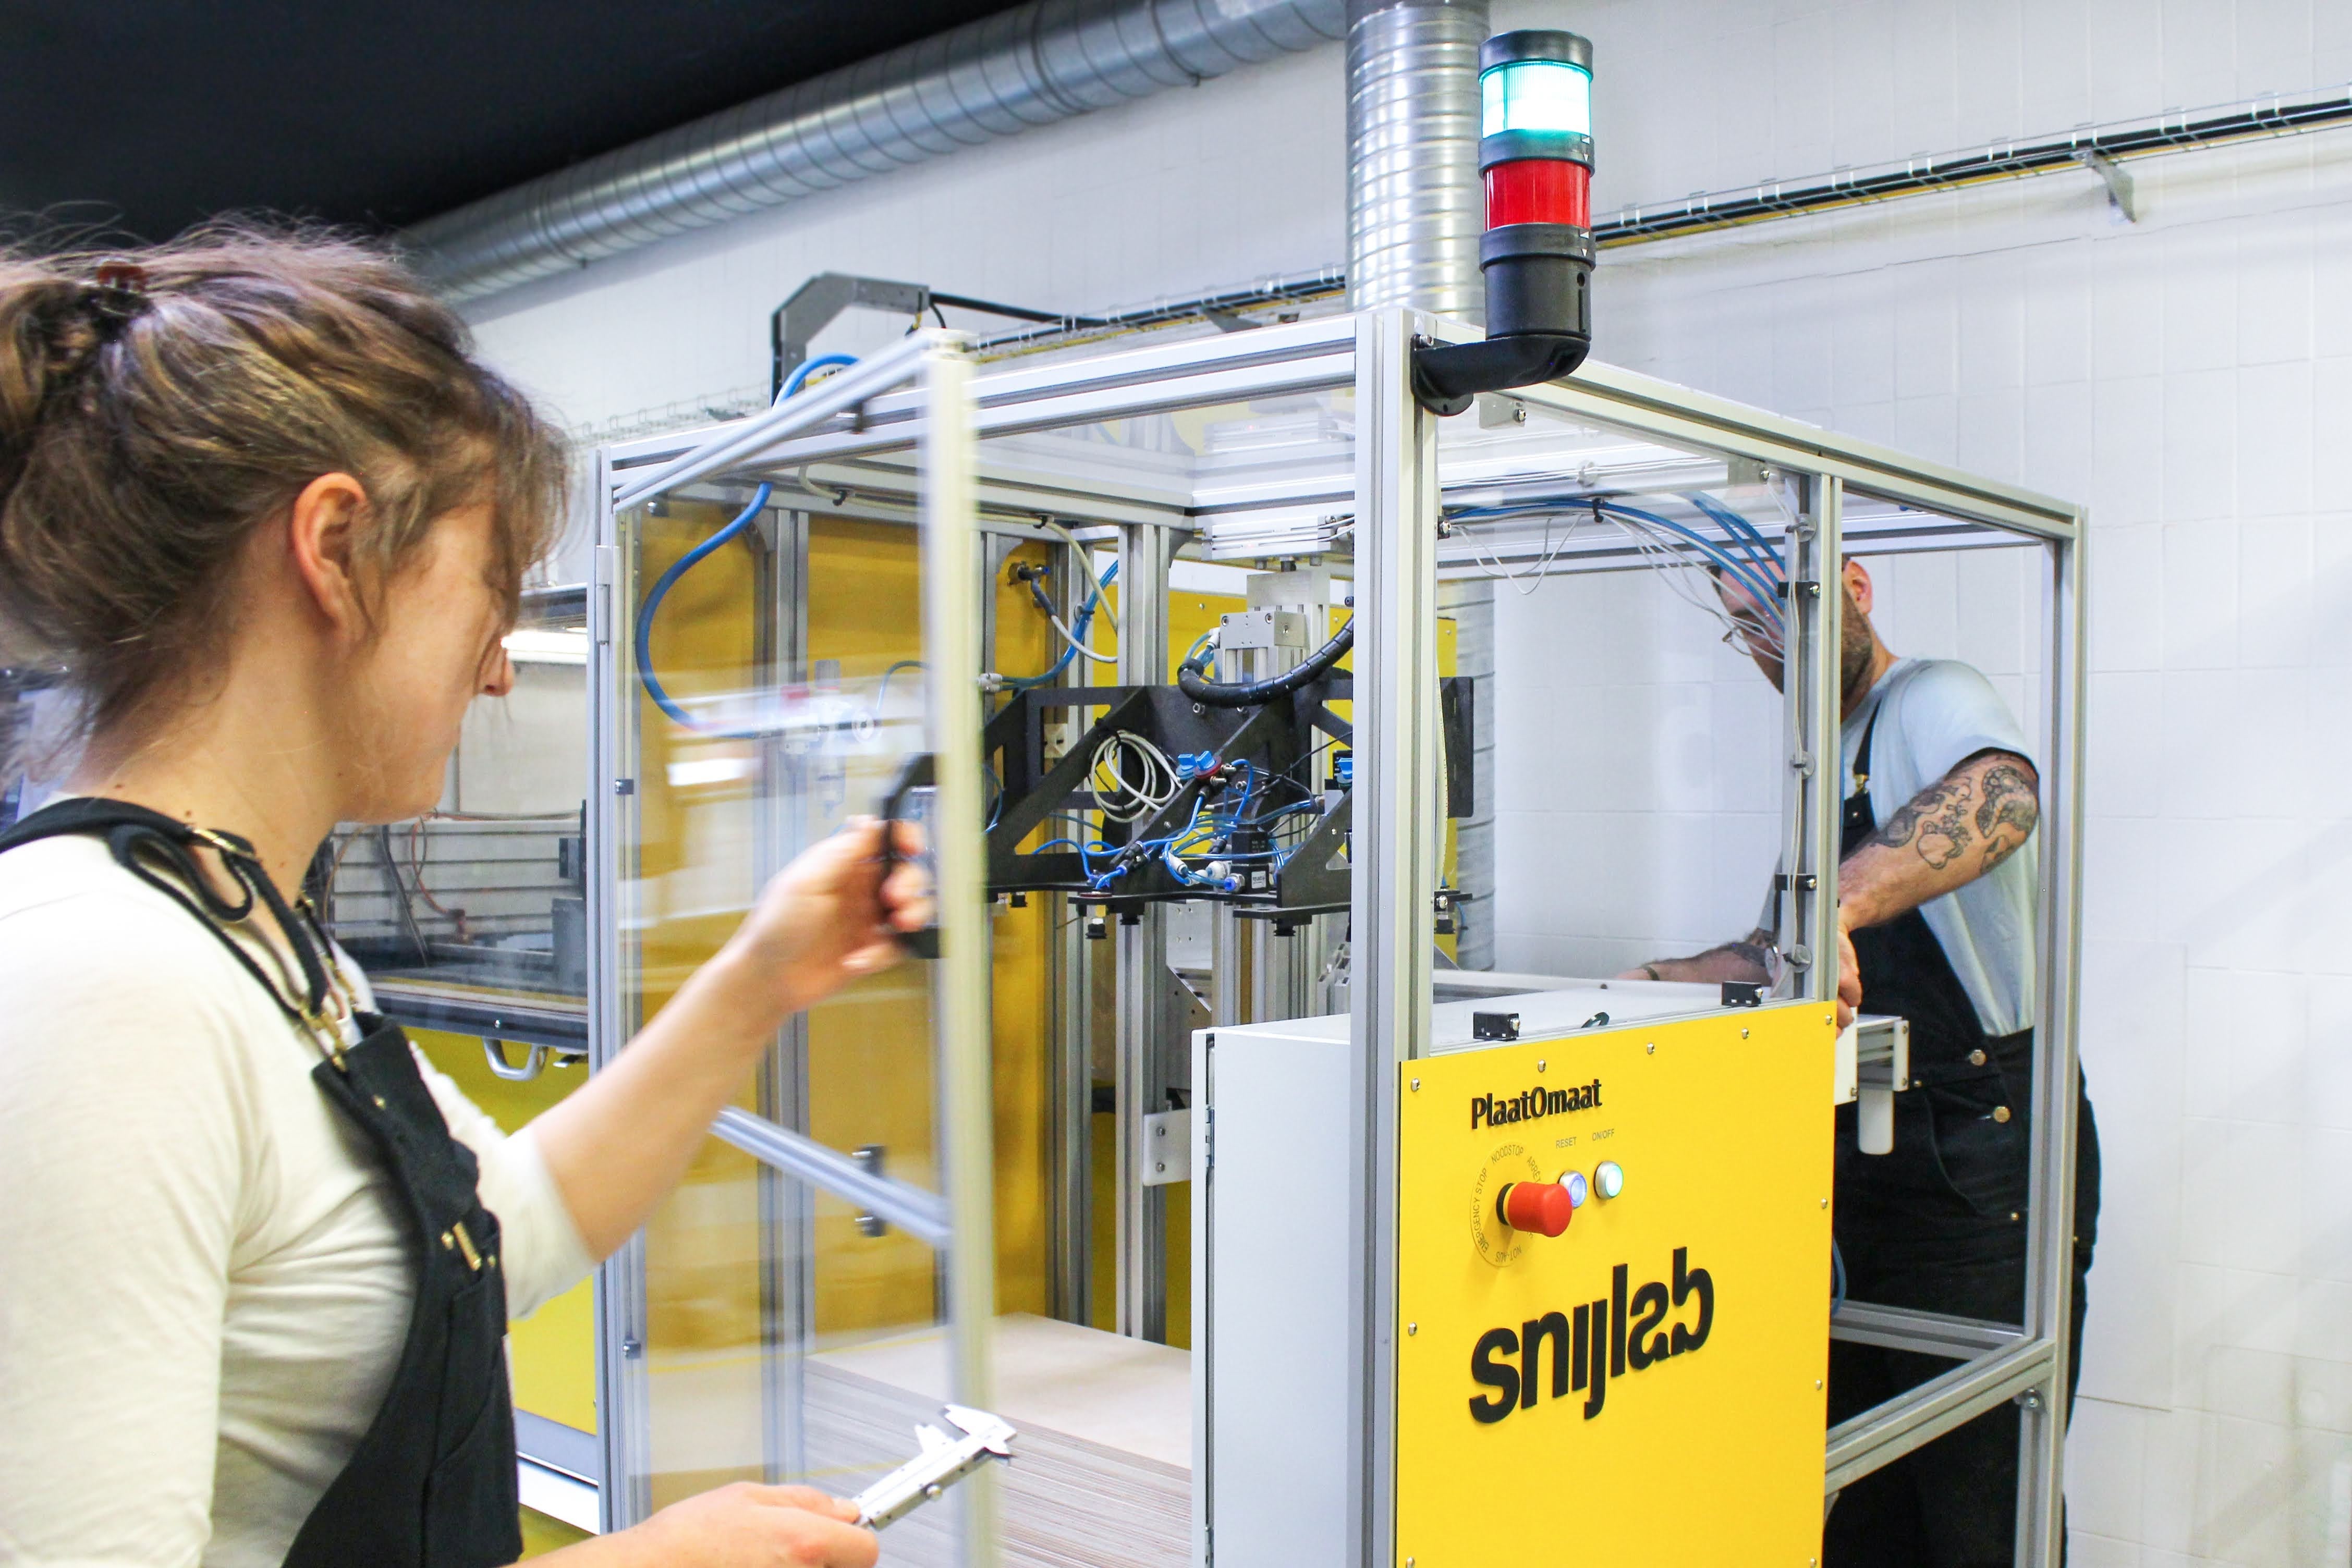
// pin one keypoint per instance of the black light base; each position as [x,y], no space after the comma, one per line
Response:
[1447,377]
[1538,281]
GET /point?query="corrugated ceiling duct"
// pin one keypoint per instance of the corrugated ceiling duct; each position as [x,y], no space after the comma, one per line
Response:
[1040,63]
[1415,206]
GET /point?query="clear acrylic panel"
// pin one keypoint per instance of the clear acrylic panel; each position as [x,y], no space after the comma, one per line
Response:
[1639,737]
[774,690]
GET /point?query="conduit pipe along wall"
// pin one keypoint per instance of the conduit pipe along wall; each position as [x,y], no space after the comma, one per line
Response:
[1414,212]
[1041,62]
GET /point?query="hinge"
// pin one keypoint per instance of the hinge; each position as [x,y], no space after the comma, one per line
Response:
[606,574]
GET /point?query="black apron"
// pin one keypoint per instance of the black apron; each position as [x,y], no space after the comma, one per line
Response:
[1906,974]
[1938,1224]
[432,1483]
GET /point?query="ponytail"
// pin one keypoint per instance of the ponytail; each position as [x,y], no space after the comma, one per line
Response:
[157,407]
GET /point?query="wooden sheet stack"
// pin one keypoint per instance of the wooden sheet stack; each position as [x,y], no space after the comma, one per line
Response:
[1102,1476]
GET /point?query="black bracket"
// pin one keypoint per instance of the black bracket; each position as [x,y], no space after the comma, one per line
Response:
[1494,1026]
[869,1157]
[1742,994]
[1447,377]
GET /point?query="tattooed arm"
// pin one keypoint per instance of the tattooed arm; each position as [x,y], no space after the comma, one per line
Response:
[1747,960]
[1947,836]
[1950,834]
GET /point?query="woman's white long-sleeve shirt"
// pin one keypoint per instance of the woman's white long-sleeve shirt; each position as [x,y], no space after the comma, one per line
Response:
[205,1270]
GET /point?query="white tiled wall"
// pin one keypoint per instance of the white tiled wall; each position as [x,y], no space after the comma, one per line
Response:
[2189,377]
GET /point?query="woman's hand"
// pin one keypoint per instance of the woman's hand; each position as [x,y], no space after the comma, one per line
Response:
[737,1526]
[827,918]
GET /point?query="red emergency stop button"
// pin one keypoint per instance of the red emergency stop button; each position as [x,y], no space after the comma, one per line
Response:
[1542,1206]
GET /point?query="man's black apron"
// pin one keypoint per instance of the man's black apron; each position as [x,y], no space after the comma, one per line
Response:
[1938,1224]
[432,1483]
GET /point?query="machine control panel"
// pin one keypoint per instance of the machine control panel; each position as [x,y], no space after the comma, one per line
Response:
[1640,1290]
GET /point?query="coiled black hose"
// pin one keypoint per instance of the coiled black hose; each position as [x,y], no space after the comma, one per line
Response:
[1192,679]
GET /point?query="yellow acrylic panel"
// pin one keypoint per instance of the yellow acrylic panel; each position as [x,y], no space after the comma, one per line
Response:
[552,1352]
[1711,1453]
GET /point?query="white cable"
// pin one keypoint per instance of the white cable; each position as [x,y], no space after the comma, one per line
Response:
[1071,638]
[1667,556]
[1086,558]
[1121,800]
[1534,575]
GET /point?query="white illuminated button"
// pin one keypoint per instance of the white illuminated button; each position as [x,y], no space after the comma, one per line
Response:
[1577,1192]
[1607,1178]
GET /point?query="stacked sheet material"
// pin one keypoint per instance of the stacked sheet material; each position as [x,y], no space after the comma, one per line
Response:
[1101,1476]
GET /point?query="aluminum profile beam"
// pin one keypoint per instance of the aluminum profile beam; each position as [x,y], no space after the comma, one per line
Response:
[1140,1018]
[1929,1333]
[1393,869]
[961,1024]
[1046,61]
[1879,1436]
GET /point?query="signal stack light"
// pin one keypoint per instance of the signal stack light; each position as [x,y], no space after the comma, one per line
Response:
[1534,156]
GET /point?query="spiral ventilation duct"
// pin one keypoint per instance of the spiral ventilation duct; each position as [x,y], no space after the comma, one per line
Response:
[1415,200]
[1041,62]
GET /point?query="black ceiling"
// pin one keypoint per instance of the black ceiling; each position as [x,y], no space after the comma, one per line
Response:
[148,115]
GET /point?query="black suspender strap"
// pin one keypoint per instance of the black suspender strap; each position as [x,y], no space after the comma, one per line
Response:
[161,852]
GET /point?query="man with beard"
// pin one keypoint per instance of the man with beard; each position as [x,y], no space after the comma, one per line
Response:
[1936,915]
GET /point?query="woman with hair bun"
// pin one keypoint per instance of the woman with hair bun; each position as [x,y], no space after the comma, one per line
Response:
[257,1259]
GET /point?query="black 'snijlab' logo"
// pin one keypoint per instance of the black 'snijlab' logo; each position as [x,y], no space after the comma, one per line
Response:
[1596,1343]
[1485,1110]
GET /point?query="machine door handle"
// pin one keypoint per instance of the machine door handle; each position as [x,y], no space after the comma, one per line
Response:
[918,772]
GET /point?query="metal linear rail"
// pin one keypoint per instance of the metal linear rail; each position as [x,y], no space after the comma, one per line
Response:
[2097,149]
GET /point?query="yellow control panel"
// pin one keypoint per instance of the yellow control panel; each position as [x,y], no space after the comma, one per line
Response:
[1613,1284]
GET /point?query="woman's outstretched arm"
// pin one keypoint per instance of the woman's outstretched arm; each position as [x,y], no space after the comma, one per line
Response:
[619,1143]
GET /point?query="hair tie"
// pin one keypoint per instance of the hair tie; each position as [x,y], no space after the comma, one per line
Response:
[117,295]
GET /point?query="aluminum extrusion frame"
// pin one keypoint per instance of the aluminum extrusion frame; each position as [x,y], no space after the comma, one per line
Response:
[1397,487]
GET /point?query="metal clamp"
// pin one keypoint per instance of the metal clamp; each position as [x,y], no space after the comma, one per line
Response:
[1881,1071]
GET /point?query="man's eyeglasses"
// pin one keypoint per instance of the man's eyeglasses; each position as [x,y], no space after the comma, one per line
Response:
[1745,636]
